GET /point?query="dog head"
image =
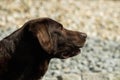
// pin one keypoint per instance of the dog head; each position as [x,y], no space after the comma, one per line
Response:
[57,41]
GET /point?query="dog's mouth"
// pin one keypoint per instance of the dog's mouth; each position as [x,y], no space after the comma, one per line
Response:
[71,53]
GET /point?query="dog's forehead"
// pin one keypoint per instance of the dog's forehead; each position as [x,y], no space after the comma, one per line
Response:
[46,20]
[50,23]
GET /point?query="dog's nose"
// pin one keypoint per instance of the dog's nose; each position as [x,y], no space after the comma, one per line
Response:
[83,35]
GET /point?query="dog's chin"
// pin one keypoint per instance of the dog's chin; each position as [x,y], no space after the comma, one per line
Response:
[70,54]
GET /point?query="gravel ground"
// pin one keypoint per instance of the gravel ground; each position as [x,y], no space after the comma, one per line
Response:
[100,19]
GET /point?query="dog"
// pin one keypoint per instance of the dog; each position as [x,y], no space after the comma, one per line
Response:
[25,54]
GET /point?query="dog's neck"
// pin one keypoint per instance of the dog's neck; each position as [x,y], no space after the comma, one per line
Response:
[43,68]
[10,44]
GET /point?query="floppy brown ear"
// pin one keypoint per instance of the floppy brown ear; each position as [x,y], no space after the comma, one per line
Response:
[43,36]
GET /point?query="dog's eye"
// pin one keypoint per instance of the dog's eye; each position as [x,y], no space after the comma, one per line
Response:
[60,27]
[58,33]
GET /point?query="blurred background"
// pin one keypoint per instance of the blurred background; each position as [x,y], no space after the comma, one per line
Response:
[100,19]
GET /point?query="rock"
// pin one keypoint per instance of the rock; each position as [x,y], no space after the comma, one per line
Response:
[71,77]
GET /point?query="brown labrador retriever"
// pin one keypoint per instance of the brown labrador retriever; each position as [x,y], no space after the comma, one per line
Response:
[26,53]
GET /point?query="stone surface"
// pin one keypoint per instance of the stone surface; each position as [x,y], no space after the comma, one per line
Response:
[100,19]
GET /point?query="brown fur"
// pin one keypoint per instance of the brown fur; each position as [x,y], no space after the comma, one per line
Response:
[26,53]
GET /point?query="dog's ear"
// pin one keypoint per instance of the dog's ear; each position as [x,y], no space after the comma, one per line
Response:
[43,35]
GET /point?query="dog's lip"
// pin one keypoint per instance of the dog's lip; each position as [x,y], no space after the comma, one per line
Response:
[76,52]
[72,53]
[78,46]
